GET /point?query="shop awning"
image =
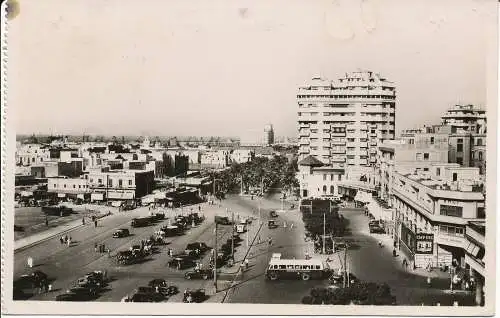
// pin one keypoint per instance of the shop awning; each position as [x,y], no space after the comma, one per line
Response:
[80,196]
[61,195]
[26,193]
[97,196]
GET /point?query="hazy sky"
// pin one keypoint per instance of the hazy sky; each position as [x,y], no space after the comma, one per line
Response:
[186,67]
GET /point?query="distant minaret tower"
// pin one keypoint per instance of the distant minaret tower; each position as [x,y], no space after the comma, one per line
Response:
[268,134]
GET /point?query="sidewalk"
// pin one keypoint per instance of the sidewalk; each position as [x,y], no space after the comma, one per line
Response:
[40,237]
[46,235]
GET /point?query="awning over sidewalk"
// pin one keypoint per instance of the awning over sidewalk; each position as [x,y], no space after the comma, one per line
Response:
[26,193]
[97,196]
[61,195]
[80,196]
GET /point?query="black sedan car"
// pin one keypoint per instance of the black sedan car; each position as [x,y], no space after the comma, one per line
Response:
[181,262]
[199,274]
[121,233]
[194,296]
[163,287]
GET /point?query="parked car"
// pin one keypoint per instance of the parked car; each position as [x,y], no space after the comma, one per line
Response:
[376,229]
[141,298]
[121,233]
[338,280]
[194,296]
[199,274]
[200,246]
[90,291]
[163,287]
[271,224]
[181,262]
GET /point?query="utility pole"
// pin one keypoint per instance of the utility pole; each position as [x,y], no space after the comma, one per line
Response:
[345,265]
[232,237]
[215,258]
[324,233]
[241,183]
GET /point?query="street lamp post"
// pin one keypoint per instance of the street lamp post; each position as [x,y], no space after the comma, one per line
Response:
[324,233]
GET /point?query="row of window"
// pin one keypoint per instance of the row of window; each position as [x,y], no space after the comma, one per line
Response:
[110,182]
[74,186]
[298,267]
[337,96]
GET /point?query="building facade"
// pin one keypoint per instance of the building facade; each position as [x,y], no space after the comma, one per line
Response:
[342,122]
[433,208]
[120,184]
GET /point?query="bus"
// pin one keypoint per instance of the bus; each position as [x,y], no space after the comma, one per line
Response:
[297,268]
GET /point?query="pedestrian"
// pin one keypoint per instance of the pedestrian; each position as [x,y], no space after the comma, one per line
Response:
[284,225]
[404,262]
[61,240]
[429,281]
[199,208]
[95,223]
[30,262]
[46,221]
[83,220]
[95,247]
[50,287]
[246,263]
[69,241]
[291,226]
[66,239]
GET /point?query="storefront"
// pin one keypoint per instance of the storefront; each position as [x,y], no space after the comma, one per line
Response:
[424,250]
[407,243]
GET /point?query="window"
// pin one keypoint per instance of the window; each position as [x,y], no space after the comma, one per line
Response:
[438,172]
[99,181]
[426,156]
[419,156]
[411,141]
[460,147]
[450,210]
[460,160]
[455,176]
[74,186]
[318,267]
[332,188]
[282,266]
[297,266]
[129,182]
[324,189]
[432,140]
[54,185]
[120,183]
[339,177]
[324,177]
[110,182]
[65,185]
[480,154]
[289,266]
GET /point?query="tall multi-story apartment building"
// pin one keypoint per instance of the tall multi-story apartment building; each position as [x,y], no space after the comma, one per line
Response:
[342,122]
[466,126]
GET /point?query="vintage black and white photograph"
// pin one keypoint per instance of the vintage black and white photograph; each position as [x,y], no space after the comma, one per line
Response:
[322,154]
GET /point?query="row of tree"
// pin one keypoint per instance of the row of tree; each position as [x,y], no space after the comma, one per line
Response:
[357,294]
[261,172]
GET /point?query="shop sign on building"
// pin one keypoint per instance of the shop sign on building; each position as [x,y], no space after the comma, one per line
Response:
[425,243]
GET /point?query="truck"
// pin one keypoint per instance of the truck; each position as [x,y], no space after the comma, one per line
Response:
[223,220]
[138,222]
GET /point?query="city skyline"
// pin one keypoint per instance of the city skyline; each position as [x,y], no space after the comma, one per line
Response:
[127,76]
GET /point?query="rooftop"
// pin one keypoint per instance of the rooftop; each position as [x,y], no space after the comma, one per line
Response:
[310,161]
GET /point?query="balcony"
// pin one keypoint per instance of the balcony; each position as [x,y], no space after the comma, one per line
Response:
[304,134]
[337,159]
[338,151]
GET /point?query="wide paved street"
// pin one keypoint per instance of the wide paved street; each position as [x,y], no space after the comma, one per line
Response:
[366,259]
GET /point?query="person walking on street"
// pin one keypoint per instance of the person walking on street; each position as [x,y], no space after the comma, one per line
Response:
[46,221]
[61,239]
[429,281]
[95,223]
[246,263]
[284,225]
[95,247]
[66,239]
[291,226]
[83,220]
[69,241]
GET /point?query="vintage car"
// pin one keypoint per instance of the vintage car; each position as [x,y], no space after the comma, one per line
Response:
[181,262]
[163,287]
[273,214]
[121,233]
[199,274]
[194,296]
[201,247]
[271,224]
[338,280]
